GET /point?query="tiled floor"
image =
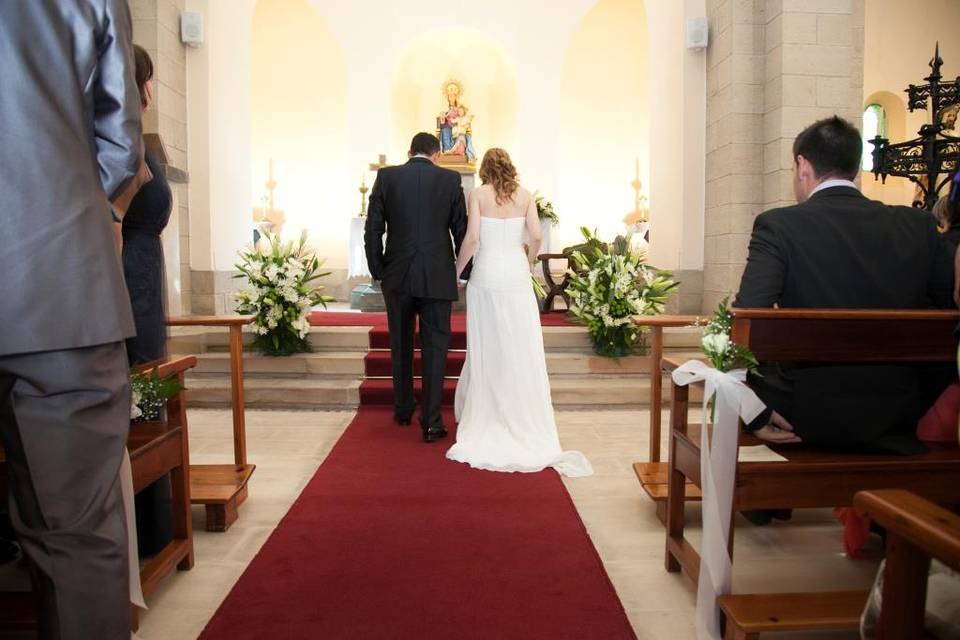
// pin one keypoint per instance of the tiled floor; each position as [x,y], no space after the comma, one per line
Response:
[288,446]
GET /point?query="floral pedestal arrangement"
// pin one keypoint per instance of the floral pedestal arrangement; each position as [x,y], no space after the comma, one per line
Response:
[283,290]
[608,285]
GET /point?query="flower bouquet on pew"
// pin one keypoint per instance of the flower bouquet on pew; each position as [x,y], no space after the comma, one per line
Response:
[282,291]
[723,354]
[150,393]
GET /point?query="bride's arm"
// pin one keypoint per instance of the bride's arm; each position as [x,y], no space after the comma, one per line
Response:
[472,238]
[533,230]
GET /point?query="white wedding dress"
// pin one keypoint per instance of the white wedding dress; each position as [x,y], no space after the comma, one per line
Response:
[503,403]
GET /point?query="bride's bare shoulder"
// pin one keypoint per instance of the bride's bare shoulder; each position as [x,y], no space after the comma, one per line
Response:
[523,196]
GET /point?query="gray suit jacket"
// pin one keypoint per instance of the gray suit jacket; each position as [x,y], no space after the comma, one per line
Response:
[69,138]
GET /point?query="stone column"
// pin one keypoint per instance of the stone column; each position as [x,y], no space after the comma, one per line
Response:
[156,28]
[773,67]
[734,149]
[814,69]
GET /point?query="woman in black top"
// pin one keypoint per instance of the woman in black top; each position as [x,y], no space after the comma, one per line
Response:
[143,223]
[947,212]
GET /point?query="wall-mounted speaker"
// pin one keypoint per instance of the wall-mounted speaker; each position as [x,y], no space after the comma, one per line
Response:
[698,33]
[191,28]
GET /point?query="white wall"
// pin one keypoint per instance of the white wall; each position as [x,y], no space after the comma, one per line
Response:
[899,43]
[376,37]
[218,130]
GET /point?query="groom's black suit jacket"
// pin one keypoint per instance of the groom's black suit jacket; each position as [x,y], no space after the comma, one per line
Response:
[840,250]
[420,206]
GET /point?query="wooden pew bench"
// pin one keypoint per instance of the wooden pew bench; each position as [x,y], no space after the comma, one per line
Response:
[811,478]
[917,530]
[156,449]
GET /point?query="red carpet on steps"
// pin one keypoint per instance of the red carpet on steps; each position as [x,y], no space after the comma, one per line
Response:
[391,540]
[377,388]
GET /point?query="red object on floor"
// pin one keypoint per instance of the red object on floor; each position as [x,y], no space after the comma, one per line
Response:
[391,540]
[856,530]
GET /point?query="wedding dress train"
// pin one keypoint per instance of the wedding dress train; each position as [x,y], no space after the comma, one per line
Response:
[503,403]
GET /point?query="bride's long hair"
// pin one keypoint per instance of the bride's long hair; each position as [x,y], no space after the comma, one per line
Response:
[497,169]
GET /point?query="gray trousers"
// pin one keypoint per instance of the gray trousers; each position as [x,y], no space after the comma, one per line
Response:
[64,419]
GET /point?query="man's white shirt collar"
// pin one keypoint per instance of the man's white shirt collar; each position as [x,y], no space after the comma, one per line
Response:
[827,184]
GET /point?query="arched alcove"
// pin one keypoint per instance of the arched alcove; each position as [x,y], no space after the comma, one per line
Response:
[473,58]
[604,118]
[298,120]
[896,190]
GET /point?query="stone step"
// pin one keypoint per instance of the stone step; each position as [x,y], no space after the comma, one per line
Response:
[320,339]
[320,364]
[275,393]
[351,364]
[198,340]
[569,392]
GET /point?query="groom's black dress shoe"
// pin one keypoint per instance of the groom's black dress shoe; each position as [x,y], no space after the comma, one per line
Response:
[401,421]
[432,434]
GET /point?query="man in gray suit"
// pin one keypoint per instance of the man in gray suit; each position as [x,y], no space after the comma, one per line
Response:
[69,141]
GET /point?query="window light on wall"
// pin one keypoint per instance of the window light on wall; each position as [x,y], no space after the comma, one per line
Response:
[874,124]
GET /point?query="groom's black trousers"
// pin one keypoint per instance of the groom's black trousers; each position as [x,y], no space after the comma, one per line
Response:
[402,312]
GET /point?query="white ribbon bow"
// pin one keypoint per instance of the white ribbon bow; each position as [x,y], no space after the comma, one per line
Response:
[718,466]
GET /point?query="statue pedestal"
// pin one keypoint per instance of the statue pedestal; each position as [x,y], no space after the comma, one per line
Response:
[467,173]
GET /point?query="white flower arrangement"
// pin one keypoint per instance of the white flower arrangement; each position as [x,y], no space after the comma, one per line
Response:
[282,291]
[608,285]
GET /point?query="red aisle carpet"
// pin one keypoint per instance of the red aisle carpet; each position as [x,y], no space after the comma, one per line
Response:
[377,389]
[391,540]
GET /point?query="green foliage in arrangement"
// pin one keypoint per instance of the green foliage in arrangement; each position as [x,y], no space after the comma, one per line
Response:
[610,283]
[283,288]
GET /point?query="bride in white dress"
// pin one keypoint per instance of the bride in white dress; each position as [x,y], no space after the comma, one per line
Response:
[503,403]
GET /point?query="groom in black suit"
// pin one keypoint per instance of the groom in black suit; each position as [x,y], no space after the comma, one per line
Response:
[420,206]
[836,249]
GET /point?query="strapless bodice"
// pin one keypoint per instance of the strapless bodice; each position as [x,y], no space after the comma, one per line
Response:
[500,261]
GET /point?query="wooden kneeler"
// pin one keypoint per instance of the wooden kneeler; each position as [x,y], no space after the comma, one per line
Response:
[156,449]
[222,488]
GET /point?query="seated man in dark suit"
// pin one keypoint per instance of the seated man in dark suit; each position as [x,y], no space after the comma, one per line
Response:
[836,249]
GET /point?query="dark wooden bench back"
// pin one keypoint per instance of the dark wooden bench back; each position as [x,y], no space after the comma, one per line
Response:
[847,335]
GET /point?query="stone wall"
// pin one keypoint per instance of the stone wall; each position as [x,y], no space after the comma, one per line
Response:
[773,67]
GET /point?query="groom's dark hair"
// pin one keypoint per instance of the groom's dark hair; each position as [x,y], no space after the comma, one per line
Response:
[424,144]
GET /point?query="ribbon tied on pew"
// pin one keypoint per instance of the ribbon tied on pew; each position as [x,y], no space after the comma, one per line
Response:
[718,466]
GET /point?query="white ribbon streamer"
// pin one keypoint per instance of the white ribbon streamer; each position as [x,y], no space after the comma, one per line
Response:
[718,466]
[126,490]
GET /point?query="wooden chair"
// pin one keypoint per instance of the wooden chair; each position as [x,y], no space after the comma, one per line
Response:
[156,449]
[554,289]
[222,488]
[810,477]
[917,530]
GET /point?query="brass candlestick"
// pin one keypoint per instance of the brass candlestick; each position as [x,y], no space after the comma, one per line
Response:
[363,196]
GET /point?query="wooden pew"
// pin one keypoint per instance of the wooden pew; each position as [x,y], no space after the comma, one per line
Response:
[917,530]
[810,477]
[156,449]
[159,448]
[222,488]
